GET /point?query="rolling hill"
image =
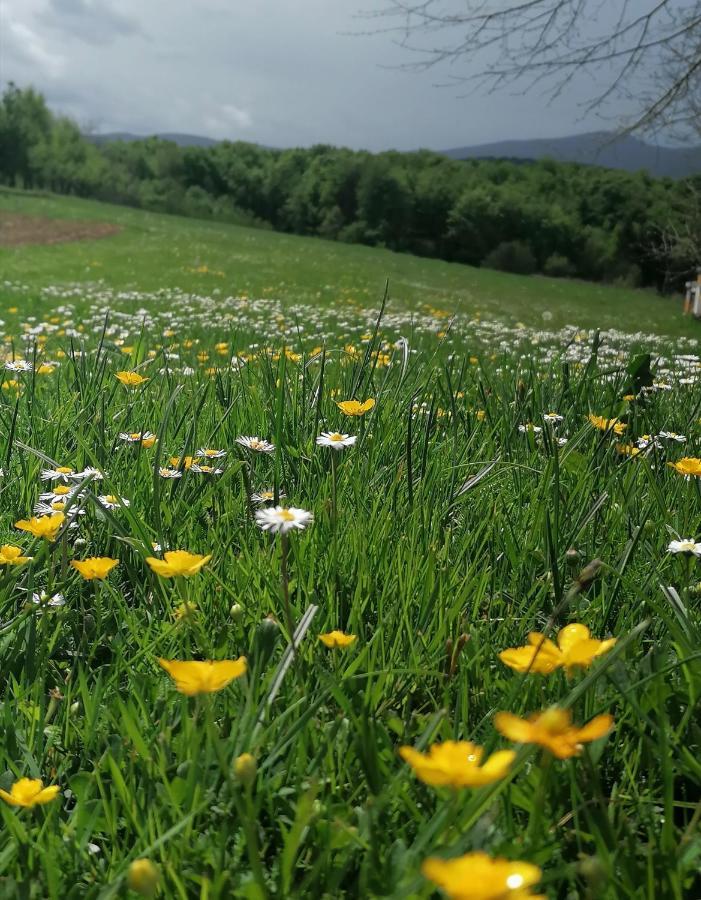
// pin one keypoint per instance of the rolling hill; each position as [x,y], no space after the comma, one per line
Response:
[595,148]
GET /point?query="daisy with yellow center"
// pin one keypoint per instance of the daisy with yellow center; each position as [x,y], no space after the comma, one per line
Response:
[178,563]
[112,501]
[61,491]
[335,440]
[130,379]
[337,640]
[477,876]
[354,407]
[96,568]
[458,764]
[281,519]
[575,647]
[266,496]
[209,453]
[258,445]
[60,473]
[46,527]
[203,677]
[145,438]
[12,556]
[553,729]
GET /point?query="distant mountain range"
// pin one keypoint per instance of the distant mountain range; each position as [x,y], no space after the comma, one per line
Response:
[597,148]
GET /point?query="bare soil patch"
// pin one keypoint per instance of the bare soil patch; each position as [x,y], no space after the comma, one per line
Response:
[17,229]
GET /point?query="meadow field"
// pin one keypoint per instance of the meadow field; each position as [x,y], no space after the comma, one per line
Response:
[313,590]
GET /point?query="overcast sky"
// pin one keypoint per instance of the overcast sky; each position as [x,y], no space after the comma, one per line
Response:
[279,72]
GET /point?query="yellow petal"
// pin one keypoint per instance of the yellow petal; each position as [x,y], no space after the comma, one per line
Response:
[518,730]
[598,727]
[570,635]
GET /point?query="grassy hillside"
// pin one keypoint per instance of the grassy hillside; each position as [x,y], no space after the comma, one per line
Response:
[155,251]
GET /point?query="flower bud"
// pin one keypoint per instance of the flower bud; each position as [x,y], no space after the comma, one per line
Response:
[572,556]
[246,769]
[143,877]
[589,573]
[236,612]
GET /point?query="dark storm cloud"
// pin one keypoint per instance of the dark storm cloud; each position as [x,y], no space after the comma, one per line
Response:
[280,72]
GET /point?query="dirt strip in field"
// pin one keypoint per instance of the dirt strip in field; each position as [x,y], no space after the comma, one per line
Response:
[17,230]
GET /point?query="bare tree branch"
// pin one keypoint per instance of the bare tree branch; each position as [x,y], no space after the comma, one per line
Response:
[651,55]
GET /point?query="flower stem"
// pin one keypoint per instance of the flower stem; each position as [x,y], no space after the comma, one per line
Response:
[285,584]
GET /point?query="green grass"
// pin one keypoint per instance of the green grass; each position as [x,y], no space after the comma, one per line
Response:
[443,536]
[156,251]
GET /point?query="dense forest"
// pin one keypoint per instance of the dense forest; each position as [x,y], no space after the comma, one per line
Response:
[560,219]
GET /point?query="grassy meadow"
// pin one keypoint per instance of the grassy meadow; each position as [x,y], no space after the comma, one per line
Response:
[454,628]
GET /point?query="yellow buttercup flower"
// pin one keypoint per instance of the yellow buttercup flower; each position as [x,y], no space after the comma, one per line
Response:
[184,462]
[604,424]
[12,556]
[46,527]
[628,449]
[354,407]
[29,792]
[575,647]
[130,379]
[143,877]
[477,876]
[337,640]
[688,466]
[178,562]
[458,764]
[94,568]
[246,769]
[203,677]
[553,729]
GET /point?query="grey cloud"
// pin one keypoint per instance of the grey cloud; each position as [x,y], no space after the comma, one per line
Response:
[280,72]
[93,21]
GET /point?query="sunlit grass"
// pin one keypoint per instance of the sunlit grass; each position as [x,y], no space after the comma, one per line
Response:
[440,538]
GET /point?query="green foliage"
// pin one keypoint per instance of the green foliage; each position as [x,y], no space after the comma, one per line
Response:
[512,256]
[439,529]
[605,225]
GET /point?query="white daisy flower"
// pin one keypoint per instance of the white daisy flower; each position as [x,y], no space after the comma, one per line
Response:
[18,365]
[136,437]
[166,472]
[60,473]
[530,428]
[266,496]
[88,472]
[110,501]
[56,506]
[256,443]
[685,545]
[335,440]
[283,519]
[672,436]
[62,492]
[552,418]
[205,470]
[208,453]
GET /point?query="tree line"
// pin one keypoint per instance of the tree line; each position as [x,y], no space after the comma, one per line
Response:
[560,219]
